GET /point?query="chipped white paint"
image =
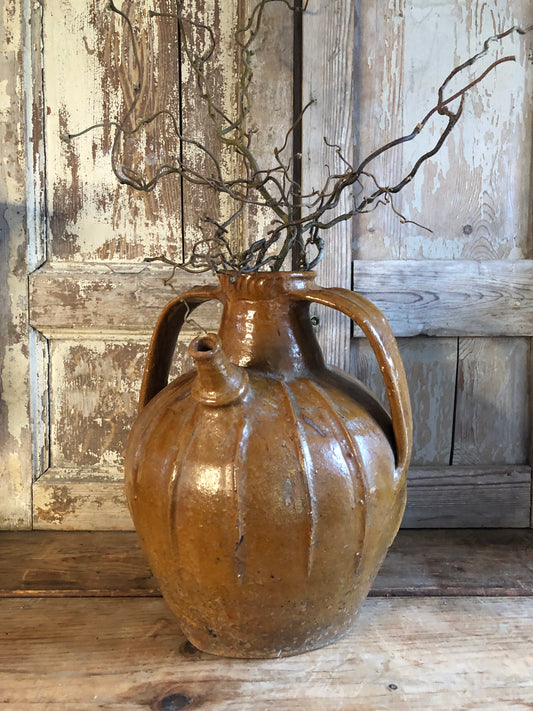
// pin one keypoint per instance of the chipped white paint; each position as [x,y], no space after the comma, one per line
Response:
[15,446]
[102,220]
[34,147]
[474,193]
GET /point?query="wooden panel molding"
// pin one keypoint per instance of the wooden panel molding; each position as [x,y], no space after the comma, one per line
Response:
[468,497]
[433,297]
[449,297]
[437,497]
[74,499]
[105,300]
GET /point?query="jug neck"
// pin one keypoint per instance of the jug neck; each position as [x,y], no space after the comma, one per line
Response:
[263,326]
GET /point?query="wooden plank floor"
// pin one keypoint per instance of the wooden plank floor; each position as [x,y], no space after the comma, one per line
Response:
[82,627]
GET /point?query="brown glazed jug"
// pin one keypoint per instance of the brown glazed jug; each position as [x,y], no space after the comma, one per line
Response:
[265,487]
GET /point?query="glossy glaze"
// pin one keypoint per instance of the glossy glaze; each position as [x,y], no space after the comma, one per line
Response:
[266,488]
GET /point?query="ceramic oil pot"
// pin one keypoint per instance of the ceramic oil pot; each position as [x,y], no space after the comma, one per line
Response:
[265,487]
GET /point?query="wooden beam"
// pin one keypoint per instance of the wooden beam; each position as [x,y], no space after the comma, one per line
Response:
[104,300]
[111,564]
[437,497]
[468,497]
[450,298]
[438,298]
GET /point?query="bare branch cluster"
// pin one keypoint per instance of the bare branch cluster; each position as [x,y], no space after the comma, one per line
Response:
[299,221]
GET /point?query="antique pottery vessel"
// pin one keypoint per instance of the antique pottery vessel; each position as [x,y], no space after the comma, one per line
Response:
[265,487]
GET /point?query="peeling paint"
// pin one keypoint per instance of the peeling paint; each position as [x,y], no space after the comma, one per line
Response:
[61,504]
[477,178]
[15,453]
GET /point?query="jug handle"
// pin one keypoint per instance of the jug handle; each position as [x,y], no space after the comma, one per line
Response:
[165,336]
[379,334]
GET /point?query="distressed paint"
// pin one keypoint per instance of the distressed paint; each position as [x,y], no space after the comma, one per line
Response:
[92,218]
[75,301]
[15,452]
[271,95]
[474,193]
[95,385]
[80,500]
[328,57]
[270,115]
[224,67]
[106,228]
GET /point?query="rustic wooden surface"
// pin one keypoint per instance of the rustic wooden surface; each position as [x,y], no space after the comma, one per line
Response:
[430,366]
[68,499]
[450,298]
[478,497]
[474,194]
[492,422]
[403,654]
[419,563]
[74,300]
[448,627]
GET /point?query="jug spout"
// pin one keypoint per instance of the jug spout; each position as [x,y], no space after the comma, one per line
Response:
[218,381]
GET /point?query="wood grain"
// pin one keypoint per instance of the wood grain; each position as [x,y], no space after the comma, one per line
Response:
[418,297]
[328,46]
[222,71]
[16,168]
[271,95]
[450,497]
[474,193]
[111,564]
[462,497]
[492,420]
[85,564]
[379,95]
[450,298]
[106,300]
[403,654]
[443,562]
[430,366]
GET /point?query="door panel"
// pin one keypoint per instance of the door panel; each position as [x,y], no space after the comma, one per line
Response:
[93,300]
[468,282]
[459,298]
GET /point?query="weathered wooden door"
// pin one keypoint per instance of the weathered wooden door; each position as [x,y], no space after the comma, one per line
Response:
[92,299]
[459,298]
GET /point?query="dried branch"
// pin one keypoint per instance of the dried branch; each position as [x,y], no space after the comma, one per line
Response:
[273,188]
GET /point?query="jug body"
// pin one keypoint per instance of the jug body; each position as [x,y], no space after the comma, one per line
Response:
[265,487]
